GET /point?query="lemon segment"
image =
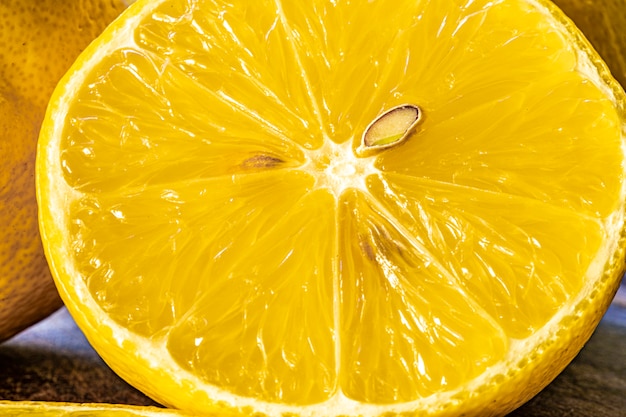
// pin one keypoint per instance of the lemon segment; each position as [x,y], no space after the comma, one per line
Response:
[165,222]
[509,153]
[407,327]
[500,247]
[221,51]
[195,144]
[272,335]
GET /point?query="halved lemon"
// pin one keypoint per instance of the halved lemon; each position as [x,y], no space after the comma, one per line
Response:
[336,208]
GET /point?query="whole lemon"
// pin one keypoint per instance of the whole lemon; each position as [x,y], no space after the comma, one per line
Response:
[39,40]
[603,23]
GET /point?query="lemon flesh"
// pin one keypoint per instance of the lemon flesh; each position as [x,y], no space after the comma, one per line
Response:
[222,244]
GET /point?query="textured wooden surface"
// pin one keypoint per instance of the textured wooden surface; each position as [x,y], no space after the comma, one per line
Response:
[53,361]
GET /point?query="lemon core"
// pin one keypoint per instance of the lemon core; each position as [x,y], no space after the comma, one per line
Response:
[336,167]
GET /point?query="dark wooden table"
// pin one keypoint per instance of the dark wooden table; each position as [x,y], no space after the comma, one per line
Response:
[52,361]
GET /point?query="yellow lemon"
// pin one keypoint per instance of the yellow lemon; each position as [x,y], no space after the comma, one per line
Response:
[39,39]
[336,208]
[59,409]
